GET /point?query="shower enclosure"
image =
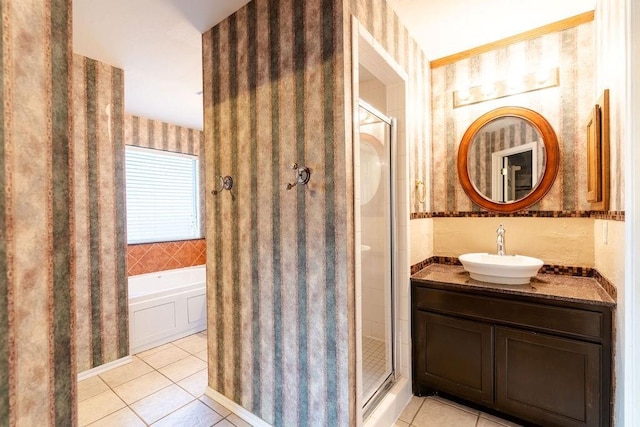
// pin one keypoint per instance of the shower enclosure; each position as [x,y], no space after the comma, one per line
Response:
[376,215]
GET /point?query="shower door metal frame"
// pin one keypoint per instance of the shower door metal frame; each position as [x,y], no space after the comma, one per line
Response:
[372,402]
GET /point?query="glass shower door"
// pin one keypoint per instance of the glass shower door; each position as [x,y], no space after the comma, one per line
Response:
[376,253]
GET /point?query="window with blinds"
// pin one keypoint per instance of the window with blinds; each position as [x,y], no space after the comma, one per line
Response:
[162,196]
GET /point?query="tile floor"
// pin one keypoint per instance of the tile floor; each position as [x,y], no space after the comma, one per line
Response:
[434,411]
[374,366]
[163,387]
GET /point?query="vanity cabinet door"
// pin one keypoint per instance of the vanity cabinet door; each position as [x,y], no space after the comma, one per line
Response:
[548,380]
[454,356]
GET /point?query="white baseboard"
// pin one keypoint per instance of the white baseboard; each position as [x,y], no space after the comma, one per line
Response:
[104,368]
[246,415]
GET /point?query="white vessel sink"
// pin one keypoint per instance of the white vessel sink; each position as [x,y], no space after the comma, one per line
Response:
[501,269]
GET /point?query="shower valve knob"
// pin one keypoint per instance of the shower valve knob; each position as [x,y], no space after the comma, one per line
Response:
[303,174]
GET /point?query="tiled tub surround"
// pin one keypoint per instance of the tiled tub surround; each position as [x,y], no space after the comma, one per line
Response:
[159,256]
[151,257]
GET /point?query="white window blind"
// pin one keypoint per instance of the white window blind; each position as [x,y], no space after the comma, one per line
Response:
[162,196]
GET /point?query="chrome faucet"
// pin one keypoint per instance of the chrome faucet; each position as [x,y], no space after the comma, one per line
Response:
[500,240]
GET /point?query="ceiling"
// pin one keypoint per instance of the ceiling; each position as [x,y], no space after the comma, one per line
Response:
[158,45]
[158,42]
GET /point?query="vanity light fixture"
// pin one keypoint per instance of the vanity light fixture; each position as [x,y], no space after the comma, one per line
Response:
[463,94]
[541,79]
[488,89]
[514,83]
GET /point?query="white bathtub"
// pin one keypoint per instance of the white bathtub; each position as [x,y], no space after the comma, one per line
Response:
[165,306]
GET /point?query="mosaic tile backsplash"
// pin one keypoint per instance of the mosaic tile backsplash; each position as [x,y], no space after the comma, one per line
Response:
[608,215]
[151,257]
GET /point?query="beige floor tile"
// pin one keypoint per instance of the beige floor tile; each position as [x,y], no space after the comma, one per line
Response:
[181,369]
[455,405]
[483,422]
[125,417]
[496,420]
[237,421]
[195,384]
[195,345]
[155,350]
[98,406]
[202,355]
[435,413]
[410,411]
[224,423]
[161,403]
[181,341]
[197,337]
[195,414]
[215,406]
[143,386]
[91,387]
[401,424]
[124,373]
[165,357]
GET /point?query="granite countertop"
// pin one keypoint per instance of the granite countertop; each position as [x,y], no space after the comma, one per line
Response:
[548,286]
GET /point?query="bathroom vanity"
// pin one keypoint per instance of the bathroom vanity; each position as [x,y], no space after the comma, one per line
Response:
[540,352]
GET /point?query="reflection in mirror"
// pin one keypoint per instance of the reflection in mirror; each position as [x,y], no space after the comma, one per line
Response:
[508,159]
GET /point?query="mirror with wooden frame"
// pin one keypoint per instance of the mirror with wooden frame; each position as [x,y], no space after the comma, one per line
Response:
[598,154]
[508,159]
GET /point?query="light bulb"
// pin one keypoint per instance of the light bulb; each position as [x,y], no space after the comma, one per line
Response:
[463,94]
[488,89]
[542,75]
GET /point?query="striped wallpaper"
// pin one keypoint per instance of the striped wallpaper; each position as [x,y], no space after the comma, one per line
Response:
[277,259]
[382,22]
[611,59]
[280,272]
[566,107]
[148,133]
[99,206]
[37,372]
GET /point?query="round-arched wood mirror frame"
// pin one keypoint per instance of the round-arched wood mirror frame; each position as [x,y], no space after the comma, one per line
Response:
[552,159]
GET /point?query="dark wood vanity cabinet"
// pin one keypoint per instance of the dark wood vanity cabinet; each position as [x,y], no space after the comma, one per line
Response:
[547,362]
[454,355]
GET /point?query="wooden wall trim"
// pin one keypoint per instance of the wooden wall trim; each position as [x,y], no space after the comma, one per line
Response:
[564,24]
